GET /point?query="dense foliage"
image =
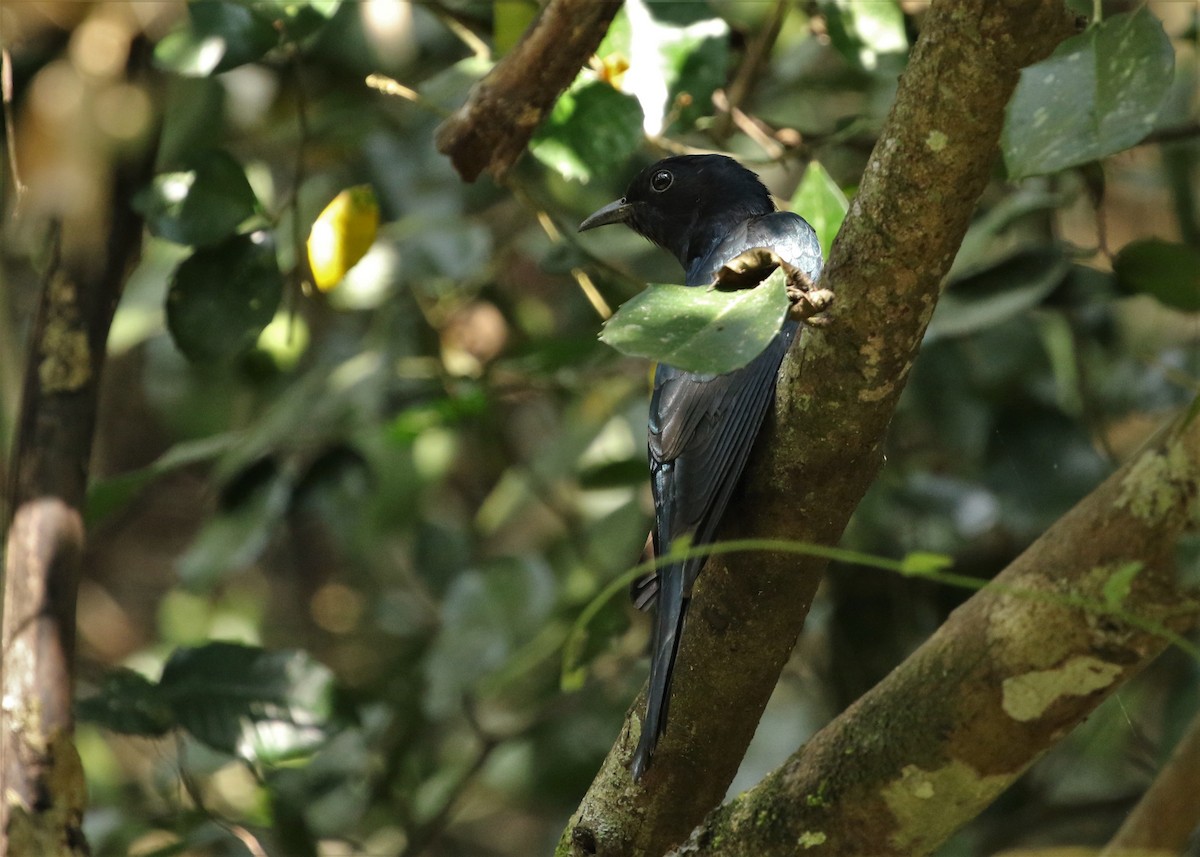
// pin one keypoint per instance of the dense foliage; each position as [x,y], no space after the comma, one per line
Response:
[341,538]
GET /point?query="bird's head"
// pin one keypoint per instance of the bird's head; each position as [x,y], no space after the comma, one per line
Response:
[687,203]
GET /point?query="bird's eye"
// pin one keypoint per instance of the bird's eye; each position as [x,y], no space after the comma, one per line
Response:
[661,180]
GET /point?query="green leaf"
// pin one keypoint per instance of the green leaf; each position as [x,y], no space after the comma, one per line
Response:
[592,130]
[221,297]
[217,36]
[681,48]
[699,329]
[1099,93]
[200,204]
[821,202]
[998,293]
[129,703]
[243,700]
[865,33]
[1119,584]
[256,704]
[298,18]
[1169,272]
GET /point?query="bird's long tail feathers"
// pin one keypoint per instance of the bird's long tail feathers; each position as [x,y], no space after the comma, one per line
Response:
[668,621]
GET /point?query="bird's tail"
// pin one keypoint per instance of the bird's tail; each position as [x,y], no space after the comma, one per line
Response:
[664,645]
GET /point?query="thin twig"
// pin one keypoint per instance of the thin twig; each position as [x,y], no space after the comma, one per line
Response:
[10,127]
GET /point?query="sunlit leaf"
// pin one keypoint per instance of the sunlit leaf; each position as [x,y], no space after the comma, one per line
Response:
[256,704]
[698,329]
[221,297]
[200,204]
[1099,93]
[216,37]
[592,130]
[342,234]
[820,201]
[1166,271]
[679,57]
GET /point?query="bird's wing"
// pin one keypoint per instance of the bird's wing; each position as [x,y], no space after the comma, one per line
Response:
[788,234]
[702,427]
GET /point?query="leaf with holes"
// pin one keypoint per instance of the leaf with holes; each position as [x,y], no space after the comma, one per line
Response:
[699,329]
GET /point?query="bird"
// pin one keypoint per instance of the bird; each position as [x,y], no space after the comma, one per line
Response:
[705,210]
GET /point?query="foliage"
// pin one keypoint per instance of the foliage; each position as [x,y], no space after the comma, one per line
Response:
[701,330]
[351,531]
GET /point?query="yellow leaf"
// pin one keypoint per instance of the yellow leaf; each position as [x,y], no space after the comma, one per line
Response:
[342,235]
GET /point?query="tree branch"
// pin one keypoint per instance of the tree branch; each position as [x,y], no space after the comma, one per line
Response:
[492,129]
[837,393]
[40,776]
[1009,673]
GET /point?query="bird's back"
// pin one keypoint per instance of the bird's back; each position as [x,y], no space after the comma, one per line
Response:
[788,234]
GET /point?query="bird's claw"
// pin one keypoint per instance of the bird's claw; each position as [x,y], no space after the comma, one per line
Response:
[806,303]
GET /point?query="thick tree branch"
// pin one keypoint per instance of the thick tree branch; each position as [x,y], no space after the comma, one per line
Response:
[837,393]
[40,776]
[1009,673]
[504,109]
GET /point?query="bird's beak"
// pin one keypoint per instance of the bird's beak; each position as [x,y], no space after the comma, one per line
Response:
[615,212]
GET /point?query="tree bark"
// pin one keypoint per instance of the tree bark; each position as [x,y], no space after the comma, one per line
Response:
[40,775]
[1010,673]
[837,391]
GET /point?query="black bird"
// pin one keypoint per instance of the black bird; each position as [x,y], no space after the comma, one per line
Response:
[705,209]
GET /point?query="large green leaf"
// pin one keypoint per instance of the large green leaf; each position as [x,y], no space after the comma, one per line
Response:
[821,202]
[221,297]
[698,329]
[200,204]
[1099,93]
[216,37]
[1169,272]
[591,131]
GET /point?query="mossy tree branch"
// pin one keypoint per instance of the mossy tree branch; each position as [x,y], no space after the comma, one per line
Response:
[1011,672]
[837,393]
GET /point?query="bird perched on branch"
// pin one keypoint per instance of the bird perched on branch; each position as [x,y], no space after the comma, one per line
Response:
[706,210]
